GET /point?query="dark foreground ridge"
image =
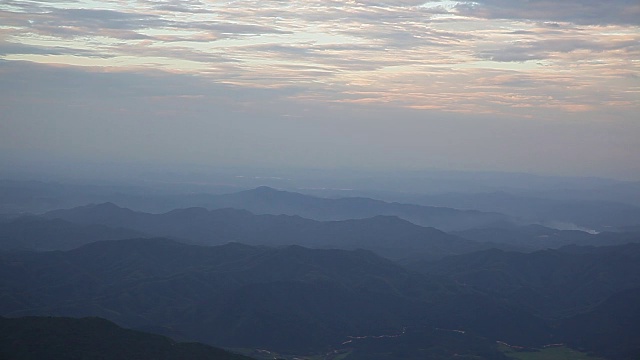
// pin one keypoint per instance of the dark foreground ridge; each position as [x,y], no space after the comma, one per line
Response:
[238,296]
[51,338]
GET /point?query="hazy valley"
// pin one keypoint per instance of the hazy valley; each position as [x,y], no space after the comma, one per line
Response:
[265,272]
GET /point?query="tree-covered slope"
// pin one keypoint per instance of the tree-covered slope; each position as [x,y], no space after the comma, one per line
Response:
[55,338]
[551,283]
[290,298]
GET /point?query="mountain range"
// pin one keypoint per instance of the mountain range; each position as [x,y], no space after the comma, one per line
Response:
[287,299]
[550,283]
[388,236]
[266,200]
[549,209]
[304,301]
[587,204]
[51,338]
[40,234]
[537,237]
[276,274]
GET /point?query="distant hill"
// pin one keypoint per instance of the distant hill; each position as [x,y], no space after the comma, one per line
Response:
[550,283]
[55,338]
[552,209]
[40,197]
[537,237]
[598,204]
[286,299]
[36,233]
[386,235]
[266,200]
[16,197]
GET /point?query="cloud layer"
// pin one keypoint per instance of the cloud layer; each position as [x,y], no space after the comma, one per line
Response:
[537,61]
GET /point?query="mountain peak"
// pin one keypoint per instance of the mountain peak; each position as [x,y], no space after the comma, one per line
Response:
[191,211]
[265,189]
[266,192]
[105,206]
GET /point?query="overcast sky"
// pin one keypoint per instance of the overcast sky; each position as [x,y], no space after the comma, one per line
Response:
[538,86]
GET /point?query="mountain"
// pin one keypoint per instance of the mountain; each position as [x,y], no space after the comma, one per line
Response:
[266,200]
[537,237]
[612,329]
[564,203]
[550,283]
[387,236]
[36,233]
[27,196]
[551,210]
[287,299]
[17,197]
[51,338]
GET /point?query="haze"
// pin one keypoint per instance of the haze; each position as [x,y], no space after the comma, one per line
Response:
[539,86]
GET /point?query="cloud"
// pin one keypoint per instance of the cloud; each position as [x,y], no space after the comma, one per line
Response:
[392,2]
[402,53]
[584,12]
[73,23]
[482,82]
[144,114]
[548,49]
[180,6]
[28,80]
[8,48]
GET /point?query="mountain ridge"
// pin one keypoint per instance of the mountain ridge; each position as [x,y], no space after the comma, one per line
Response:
[289,298]
[53,338]
[387,235]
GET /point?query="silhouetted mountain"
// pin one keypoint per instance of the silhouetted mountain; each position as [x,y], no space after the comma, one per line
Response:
[289,298]
[107,213]
[40,196]
[265,200]
[566,207]
[551,210]
[51,338]
[36,233]
[612,329]
[550,283]
[537,237]
[388,236]
[529,237]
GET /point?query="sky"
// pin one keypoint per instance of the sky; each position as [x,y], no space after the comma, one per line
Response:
[540,86]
